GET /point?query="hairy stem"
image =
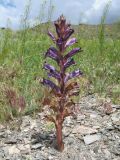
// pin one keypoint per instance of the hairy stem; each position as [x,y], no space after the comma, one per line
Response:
[60,144]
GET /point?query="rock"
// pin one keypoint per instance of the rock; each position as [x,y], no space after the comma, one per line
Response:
[93,115]
[116,118]
[107,153]
[66,131]
[50,157]
[83,130]
[109,126]
[80,117]
[88,139]
[44,136]
[24,148]
[115,106]
[37,146]
[2,127]
[68,121]
[2,135]
[13,150]
[33,124]
[69,141]
[96,127]
[11,141]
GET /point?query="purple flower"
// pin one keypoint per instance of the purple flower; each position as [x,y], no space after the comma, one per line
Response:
[50,84]
[68,33]
[52,36]
[49,67]
[55,75]
[60,25]
[69,62]
[57,29]
[52,71]
[72,53]
[72,75]
[70,42]
[60,44]
[52,53]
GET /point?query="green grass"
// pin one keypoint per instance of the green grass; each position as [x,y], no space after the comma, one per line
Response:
[20,69]
[22,57]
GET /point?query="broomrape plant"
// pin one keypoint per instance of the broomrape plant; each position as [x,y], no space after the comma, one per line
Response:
[60,102]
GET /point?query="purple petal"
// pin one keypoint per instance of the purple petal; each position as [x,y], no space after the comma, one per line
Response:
[73,75]
[52,53]
[49,67]
[72,53]
[69,62]
[51,36]
[68,33]
[50,84]
[70,42]
[52,70]
[60,43]
[57,28]
[55,75]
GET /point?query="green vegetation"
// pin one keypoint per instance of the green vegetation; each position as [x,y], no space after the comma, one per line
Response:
[22,56]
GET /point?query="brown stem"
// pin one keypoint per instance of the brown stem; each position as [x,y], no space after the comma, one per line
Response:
[60,144]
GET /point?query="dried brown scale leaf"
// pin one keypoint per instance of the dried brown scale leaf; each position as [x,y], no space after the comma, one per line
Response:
[67,112]
[46,101]
[50,118]
[12,97]
[69,104]
[71,86]
[21,103]
[15,101]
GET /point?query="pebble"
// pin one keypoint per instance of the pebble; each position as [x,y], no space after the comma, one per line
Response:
[88,139]
[37,146]
[83,130]
[13,150]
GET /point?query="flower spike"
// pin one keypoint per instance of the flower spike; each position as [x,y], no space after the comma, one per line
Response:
[61,91]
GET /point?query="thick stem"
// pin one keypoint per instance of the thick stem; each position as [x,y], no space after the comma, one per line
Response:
[60,144]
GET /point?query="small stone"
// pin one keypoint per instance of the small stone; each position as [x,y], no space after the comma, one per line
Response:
[44,136]
[93,115]
[37,146]
[50,157]
[109,126]
[25,148]
[11,141]
[96,149]
[96,127]
[33,124]
[83,130]
[13,150]
[80,117]
[69,140]
[2,135]
[88,139]
[116,118]
[115,106]
[107,153]
[1,126]
[66,131]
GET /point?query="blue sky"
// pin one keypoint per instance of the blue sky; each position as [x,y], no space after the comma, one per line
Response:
[76,11]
